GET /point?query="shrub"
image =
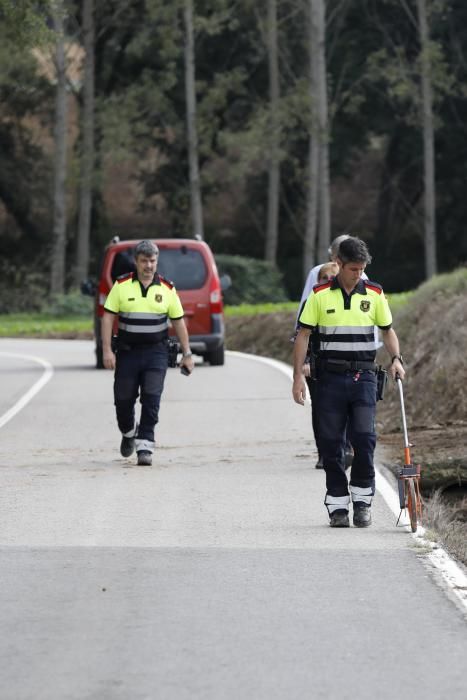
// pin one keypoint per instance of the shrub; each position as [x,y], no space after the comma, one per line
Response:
[72,304]
[25,290]
[21,289]
[253,281]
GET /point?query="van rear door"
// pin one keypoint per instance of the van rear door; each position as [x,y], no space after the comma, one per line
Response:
[187,268]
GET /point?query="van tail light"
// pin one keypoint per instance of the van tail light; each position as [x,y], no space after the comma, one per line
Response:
[215,297]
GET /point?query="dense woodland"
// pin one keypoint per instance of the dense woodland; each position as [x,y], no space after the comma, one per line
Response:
[262,125]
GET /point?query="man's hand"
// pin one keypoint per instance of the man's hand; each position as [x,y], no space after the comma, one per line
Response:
[109,359]
[397,368]
[299,390]
[188,363]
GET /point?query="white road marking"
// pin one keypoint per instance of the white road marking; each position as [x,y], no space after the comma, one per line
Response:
[452,575]
[36,387]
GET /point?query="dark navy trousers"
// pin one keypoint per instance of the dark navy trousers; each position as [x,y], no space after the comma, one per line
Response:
[347,401]
[311,383]
[140,371]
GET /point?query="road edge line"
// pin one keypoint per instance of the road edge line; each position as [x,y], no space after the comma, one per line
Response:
[36,387]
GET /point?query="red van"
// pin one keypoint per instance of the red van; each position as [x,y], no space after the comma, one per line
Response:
[190,265]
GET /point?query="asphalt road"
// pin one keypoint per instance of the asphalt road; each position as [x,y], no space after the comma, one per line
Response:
[211,575]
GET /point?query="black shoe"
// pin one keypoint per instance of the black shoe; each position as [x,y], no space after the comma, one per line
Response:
[144,458]
[361,515]
[339,518]
[319,464]
[127,446]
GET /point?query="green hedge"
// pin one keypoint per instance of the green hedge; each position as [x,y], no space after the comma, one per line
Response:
[253,281]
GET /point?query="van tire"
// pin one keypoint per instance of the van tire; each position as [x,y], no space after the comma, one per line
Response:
[99,357]
[215,357]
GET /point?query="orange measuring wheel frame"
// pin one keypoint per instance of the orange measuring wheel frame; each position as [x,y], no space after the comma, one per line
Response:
[409,475]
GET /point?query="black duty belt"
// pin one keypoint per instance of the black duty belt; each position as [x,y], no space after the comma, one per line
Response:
[345,365]
[139,346]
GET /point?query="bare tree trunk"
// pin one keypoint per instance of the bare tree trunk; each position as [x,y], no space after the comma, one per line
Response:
[272,226]
[309,249]
[87,154]
[428,144]
[190,89]
[324,235]
[57,280]
[318,224]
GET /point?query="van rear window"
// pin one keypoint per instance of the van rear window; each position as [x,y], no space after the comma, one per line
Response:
[183,266]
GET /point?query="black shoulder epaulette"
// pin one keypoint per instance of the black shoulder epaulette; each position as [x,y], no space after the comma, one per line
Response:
[373,286]
[126,276]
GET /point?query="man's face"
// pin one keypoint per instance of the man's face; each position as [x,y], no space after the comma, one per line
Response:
[146,266]
[350,273]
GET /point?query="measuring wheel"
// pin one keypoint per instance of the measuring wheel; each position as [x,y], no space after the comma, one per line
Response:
[409,476]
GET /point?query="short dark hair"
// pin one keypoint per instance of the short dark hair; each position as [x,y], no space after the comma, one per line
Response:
[354,250]
[146,248]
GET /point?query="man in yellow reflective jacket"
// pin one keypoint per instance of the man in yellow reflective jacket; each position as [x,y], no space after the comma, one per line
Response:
[345,311]
[144,302]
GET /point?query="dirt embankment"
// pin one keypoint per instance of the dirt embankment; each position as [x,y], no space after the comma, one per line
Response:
[432,330]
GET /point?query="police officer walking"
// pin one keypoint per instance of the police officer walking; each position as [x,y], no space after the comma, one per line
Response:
[345,311]
[144,302]
[311,280]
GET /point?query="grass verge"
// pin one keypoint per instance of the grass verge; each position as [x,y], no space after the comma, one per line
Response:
[256,309]
[25,325]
